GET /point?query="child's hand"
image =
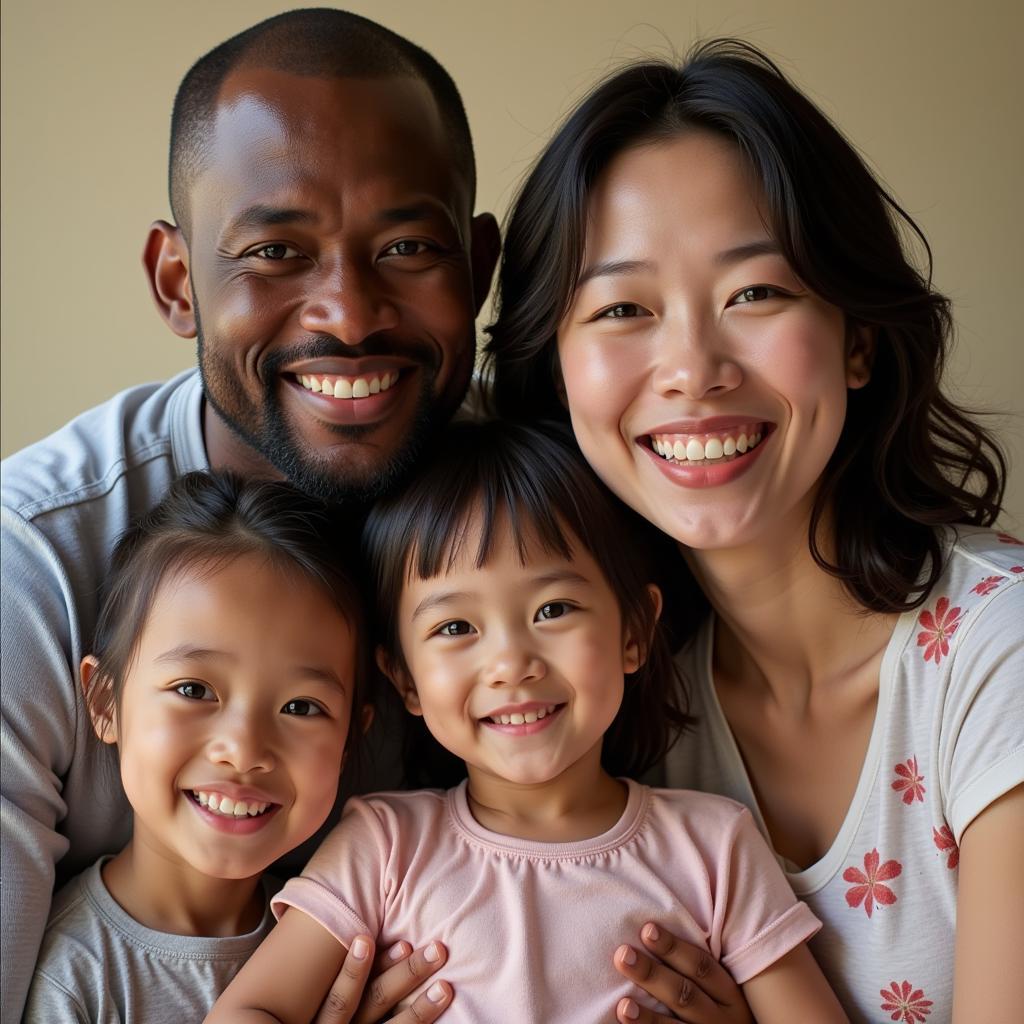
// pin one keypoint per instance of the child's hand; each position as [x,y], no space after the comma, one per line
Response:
[683,977]
[356,998]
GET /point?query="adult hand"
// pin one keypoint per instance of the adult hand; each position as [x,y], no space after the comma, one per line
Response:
[367,989]
[685,978]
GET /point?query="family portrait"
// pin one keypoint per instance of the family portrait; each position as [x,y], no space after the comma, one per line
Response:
[524,524]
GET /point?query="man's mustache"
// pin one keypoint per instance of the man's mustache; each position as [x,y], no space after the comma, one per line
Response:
[326,346]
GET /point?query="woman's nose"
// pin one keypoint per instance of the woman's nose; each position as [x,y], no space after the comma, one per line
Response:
[692,360]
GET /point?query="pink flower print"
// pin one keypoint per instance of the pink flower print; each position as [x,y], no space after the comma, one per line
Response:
[987,585]
[909,782]
[938,627]
[1017,568]
[1005,538]
[868,888]
[943,839]
[906,1003]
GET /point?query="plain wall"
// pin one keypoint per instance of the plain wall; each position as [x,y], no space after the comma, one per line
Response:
[929,92]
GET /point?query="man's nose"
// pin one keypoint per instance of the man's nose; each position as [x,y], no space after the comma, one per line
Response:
[692,359]
[349,302]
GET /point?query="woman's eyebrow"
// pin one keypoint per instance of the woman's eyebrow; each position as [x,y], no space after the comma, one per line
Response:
[613,268]
[739,253]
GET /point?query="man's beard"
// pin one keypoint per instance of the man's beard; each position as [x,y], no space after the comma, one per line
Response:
[266,430]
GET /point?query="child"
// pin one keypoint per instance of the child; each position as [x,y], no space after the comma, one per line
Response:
[225,667]
[518,620]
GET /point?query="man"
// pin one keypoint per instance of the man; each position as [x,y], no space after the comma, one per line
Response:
[326,257]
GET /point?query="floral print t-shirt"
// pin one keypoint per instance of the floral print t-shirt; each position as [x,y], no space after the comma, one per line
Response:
[948,740]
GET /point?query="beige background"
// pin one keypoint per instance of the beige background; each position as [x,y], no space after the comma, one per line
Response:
[928,89]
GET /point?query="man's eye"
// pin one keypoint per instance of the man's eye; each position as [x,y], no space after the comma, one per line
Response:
[457,627]
[302,707]
[553,610]
[406,247]
[195,691]
[756,293]
[275,251]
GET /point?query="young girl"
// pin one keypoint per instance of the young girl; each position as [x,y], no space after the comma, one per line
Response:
[226,666]
[518,620]
[704,275]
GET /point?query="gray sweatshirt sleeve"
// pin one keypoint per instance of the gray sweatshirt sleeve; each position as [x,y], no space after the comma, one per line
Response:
[48,1002]
[40,708]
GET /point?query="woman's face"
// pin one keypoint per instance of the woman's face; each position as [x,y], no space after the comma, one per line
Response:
[706,384]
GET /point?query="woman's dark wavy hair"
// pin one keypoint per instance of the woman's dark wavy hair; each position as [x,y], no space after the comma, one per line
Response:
[535,480]
[204,522]
[908,459]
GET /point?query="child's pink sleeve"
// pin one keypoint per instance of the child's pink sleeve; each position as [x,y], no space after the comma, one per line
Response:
[343,885]
[757,917]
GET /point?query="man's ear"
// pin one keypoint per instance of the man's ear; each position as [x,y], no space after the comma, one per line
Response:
[635,649]
[485,248]
[101,711]
[860,355]
[165,257]
[401,681]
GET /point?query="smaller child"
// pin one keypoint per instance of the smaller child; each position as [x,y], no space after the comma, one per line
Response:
[518,618]
[226,666]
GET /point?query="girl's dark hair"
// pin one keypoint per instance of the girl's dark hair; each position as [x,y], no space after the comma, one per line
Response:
[908,459]
[202,523]
[535,480]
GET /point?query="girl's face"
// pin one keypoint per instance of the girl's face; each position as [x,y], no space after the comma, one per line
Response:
[233,717]
[706,385]
[516,668]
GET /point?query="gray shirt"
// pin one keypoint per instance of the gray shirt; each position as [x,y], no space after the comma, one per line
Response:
[98,965]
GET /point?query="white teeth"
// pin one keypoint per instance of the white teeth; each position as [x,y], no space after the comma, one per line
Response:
[229,808]
[525,718]
[714,448]
[361,387]
[529,717]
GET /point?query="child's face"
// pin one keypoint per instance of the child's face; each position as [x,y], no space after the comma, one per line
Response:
[241,690]
[517,669]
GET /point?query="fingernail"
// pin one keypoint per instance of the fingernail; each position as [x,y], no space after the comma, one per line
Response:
[627,955]
[436,993]
[397,951]
[432,954]
[360,948]
[629,1009]
[651,933]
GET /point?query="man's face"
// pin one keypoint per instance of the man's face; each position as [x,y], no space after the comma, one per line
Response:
[331,278]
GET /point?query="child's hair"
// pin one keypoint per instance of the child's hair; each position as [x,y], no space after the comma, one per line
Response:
[535,480]
[202,523]
[908,459]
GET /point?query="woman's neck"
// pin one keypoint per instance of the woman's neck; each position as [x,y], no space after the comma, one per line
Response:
[582,802]
[170,897]
[784,623]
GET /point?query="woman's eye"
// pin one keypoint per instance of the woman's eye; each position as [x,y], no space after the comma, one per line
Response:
[553,610]
[756,293]
[195,691]
[274,251]
[302,707]
[457,627]
[620,311]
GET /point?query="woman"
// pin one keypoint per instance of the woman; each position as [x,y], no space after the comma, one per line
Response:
[704,274]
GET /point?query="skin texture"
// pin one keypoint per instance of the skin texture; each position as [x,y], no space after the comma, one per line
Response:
[331,234]
[242,679]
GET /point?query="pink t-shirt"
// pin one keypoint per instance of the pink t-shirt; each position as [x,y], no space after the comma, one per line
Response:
[531,927]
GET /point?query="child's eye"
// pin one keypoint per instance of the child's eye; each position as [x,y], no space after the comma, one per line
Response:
[553,610]
[195,691]
[305,708]
[457,627]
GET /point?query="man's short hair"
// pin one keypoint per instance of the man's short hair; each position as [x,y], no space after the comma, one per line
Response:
[314,42]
